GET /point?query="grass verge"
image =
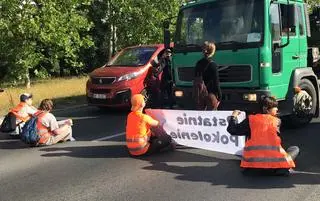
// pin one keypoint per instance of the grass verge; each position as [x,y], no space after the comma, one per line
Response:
[65,92]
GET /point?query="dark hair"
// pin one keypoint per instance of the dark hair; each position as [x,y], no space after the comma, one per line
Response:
[267,103]
[46,105]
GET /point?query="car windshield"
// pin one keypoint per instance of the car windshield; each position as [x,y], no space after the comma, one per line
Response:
[223,22]
[133,57]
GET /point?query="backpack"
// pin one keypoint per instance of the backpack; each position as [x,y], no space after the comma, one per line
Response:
[9,123]
[29,134]
[199,91]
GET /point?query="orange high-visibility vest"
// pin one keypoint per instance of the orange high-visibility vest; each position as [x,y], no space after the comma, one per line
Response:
[17,109]
[137,145]
[263,149]
[41,129]
[137,133]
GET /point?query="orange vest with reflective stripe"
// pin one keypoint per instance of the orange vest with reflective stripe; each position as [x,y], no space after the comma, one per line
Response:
[137,134]
[42,130]
[17,109]
[263,149]
[137,145]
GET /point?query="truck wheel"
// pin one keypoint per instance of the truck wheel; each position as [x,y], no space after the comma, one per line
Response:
[304,109]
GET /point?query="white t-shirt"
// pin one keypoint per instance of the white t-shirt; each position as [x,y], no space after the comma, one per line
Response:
[50,121]
[27,110]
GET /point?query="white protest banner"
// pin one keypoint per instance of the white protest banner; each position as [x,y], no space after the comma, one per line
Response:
[201,129]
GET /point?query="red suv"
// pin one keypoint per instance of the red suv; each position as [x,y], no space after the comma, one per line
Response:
[123,76]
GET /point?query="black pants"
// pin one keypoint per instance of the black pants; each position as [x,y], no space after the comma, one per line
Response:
[159,143]
[293,151]
[167,90]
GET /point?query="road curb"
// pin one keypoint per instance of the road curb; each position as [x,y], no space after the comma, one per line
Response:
[70,108]
[57,110]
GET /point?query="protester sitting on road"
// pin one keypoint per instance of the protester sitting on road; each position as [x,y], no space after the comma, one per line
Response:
[263,150]
[206,91]
[23,111]
[50,130]
[140,140]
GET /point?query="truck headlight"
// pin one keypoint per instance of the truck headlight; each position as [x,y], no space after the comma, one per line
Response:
[250,97]
[178,93]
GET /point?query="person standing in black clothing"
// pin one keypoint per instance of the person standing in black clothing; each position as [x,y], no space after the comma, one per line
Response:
[166,84]
[207,92]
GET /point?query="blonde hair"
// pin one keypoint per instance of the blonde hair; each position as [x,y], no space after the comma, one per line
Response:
[209,48]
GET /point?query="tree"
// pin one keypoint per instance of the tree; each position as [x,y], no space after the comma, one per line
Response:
[121,23]
[312,4]
[38,36]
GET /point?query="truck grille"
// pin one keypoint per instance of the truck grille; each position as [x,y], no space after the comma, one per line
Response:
[233,73]
[103,80]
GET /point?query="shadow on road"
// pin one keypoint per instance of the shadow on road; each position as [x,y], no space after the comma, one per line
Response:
[216,172]
[227,173]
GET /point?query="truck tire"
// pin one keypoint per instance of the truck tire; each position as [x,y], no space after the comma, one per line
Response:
[302,118]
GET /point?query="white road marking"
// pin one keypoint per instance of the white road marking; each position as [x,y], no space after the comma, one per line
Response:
[77,118]
[10,140]
[303,172]
[109,137]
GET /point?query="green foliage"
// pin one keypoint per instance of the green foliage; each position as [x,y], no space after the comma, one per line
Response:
[44,38]
[313,4]
[36,35]
[135,22]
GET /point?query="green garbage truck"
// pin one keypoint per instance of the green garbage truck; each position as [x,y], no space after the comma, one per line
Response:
[264,47]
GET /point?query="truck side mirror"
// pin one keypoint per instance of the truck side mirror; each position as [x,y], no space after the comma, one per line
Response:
[167,39]
[166,24]
[166,34]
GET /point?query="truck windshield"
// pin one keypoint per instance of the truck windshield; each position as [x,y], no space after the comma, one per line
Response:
[227,23]
[133,57]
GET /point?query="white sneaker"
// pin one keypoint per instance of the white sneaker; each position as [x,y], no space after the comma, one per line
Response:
[72,139]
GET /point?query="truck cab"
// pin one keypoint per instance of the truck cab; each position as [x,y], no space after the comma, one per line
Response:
[262,49]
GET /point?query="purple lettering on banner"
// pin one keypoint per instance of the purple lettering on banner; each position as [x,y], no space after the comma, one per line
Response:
[200,135]
[194,136]
[178,133]
[180,120]
[216,137]
[224,139]
[185,135]
[235,140]
[173,135]
[207,137]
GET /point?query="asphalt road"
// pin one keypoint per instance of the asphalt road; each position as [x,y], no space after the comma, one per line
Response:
[97,167]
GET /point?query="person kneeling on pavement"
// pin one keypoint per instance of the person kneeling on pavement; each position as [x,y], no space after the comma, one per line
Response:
[50,130]
[263,150]
[139,137]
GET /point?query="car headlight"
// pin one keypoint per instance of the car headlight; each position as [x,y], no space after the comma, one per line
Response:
[130,76]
